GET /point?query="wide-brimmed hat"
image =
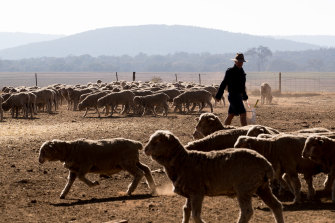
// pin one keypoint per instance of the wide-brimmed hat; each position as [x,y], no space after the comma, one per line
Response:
[239,57]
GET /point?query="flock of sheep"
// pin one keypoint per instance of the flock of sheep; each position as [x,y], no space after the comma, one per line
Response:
[136,97]
[222,160]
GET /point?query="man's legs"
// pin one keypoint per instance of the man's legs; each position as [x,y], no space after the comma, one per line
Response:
[243,119]
[229,119]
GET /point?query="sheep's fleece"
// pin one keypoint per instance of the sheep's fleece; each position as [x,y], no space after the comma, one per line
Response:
[107,156]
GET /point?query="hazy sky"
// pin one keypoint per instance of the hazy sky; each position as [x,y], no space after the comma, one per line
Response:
[260,17]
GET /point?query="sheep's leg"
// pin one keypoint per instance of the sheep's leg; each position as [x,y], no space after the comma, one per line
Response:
[201,106]
[272,202]
[246,211]
[85,112]
[96,108]
[138,174]
[153,110]
[87,181]
[193,107]
[311,190]
[286,181]
[187,211]
[70,179]
[329,181]
[148,177]
[293,177]
[196,204]
[166,109]
[210,105]
[144,110]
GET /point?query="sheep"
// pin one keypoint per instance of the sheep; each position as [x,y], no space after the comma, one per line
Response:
[312,130]
[216,141]
[90,101]
[194,96]
[172,93]
[44,97]
[1,111]
[74,95]
[108,156]
[232,172]
[255,130]
[207,124]
[266,94]
[16,101]
[113,99]
[321,150]
[284,153]
[152,101]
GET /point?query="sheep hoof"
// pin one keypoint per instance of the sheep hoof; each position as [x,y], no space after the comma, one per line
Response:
[62,197]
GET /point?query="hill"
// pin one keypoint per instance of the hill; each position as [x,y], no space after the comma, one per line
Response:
[151,40]
[9,39]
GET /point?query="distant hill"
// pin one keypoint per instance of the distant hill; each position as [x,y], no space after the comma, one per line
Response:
[151,40]
[10,39]
[321,40]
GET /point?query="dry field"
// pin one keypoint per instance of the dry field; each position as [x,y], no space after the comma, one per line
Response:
[29,192]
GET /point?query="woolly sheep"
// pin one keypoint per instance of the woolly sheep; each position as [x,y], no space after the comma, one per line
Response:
[152,101]
[91,101]
[256,130]
[199,174]
[321,150]
[74,95]
[44,97]
[266,94]
[106,157]
[216,141]
[284,153]
[116,98]
[195,96]
[207,124]
[17,101]
[172,93]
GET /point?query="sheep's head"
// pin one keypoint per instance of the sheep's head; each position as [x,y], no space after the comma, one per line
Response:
[176,101]
[52,151]
[101,101]
[207,124]
[242,142]
[314,148]
[80,106]
[256,130]
[162,146]
[137,100]
[6,105]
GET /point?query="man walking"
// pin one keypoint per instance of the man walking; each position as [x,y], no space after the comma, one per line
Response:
[234,79]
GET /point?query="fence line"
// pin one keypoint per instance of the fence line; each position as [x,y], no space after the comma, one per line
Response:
[290,82]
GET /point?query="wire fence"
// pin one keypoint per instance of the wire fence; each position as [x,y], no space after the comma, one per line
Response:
[289,82]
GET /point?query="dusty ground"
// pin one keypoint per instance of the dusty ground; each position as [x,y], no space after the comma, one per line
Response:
[29,192]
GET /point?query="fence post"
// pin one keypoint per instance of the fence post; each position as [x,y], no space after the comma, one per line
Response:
[279,82]
[199,79]
[134,76]
[176,77]
[117,78]
[36,79]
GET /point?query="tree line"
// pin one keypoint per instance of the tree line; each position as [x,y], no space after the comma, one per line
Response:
[259,59]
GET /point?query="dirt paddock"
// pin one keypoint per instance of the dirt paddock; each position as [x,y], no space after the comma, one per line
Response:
[29,192]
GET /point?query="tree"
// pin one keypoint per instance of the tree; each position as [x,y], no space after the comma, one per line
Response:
[262,53]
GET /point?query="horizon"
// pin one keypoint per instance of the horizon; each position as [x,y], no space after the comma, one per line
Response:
[259,17]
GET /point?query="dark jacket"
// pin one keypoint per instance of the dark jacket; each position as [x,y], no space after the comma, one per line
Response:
[235,80]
